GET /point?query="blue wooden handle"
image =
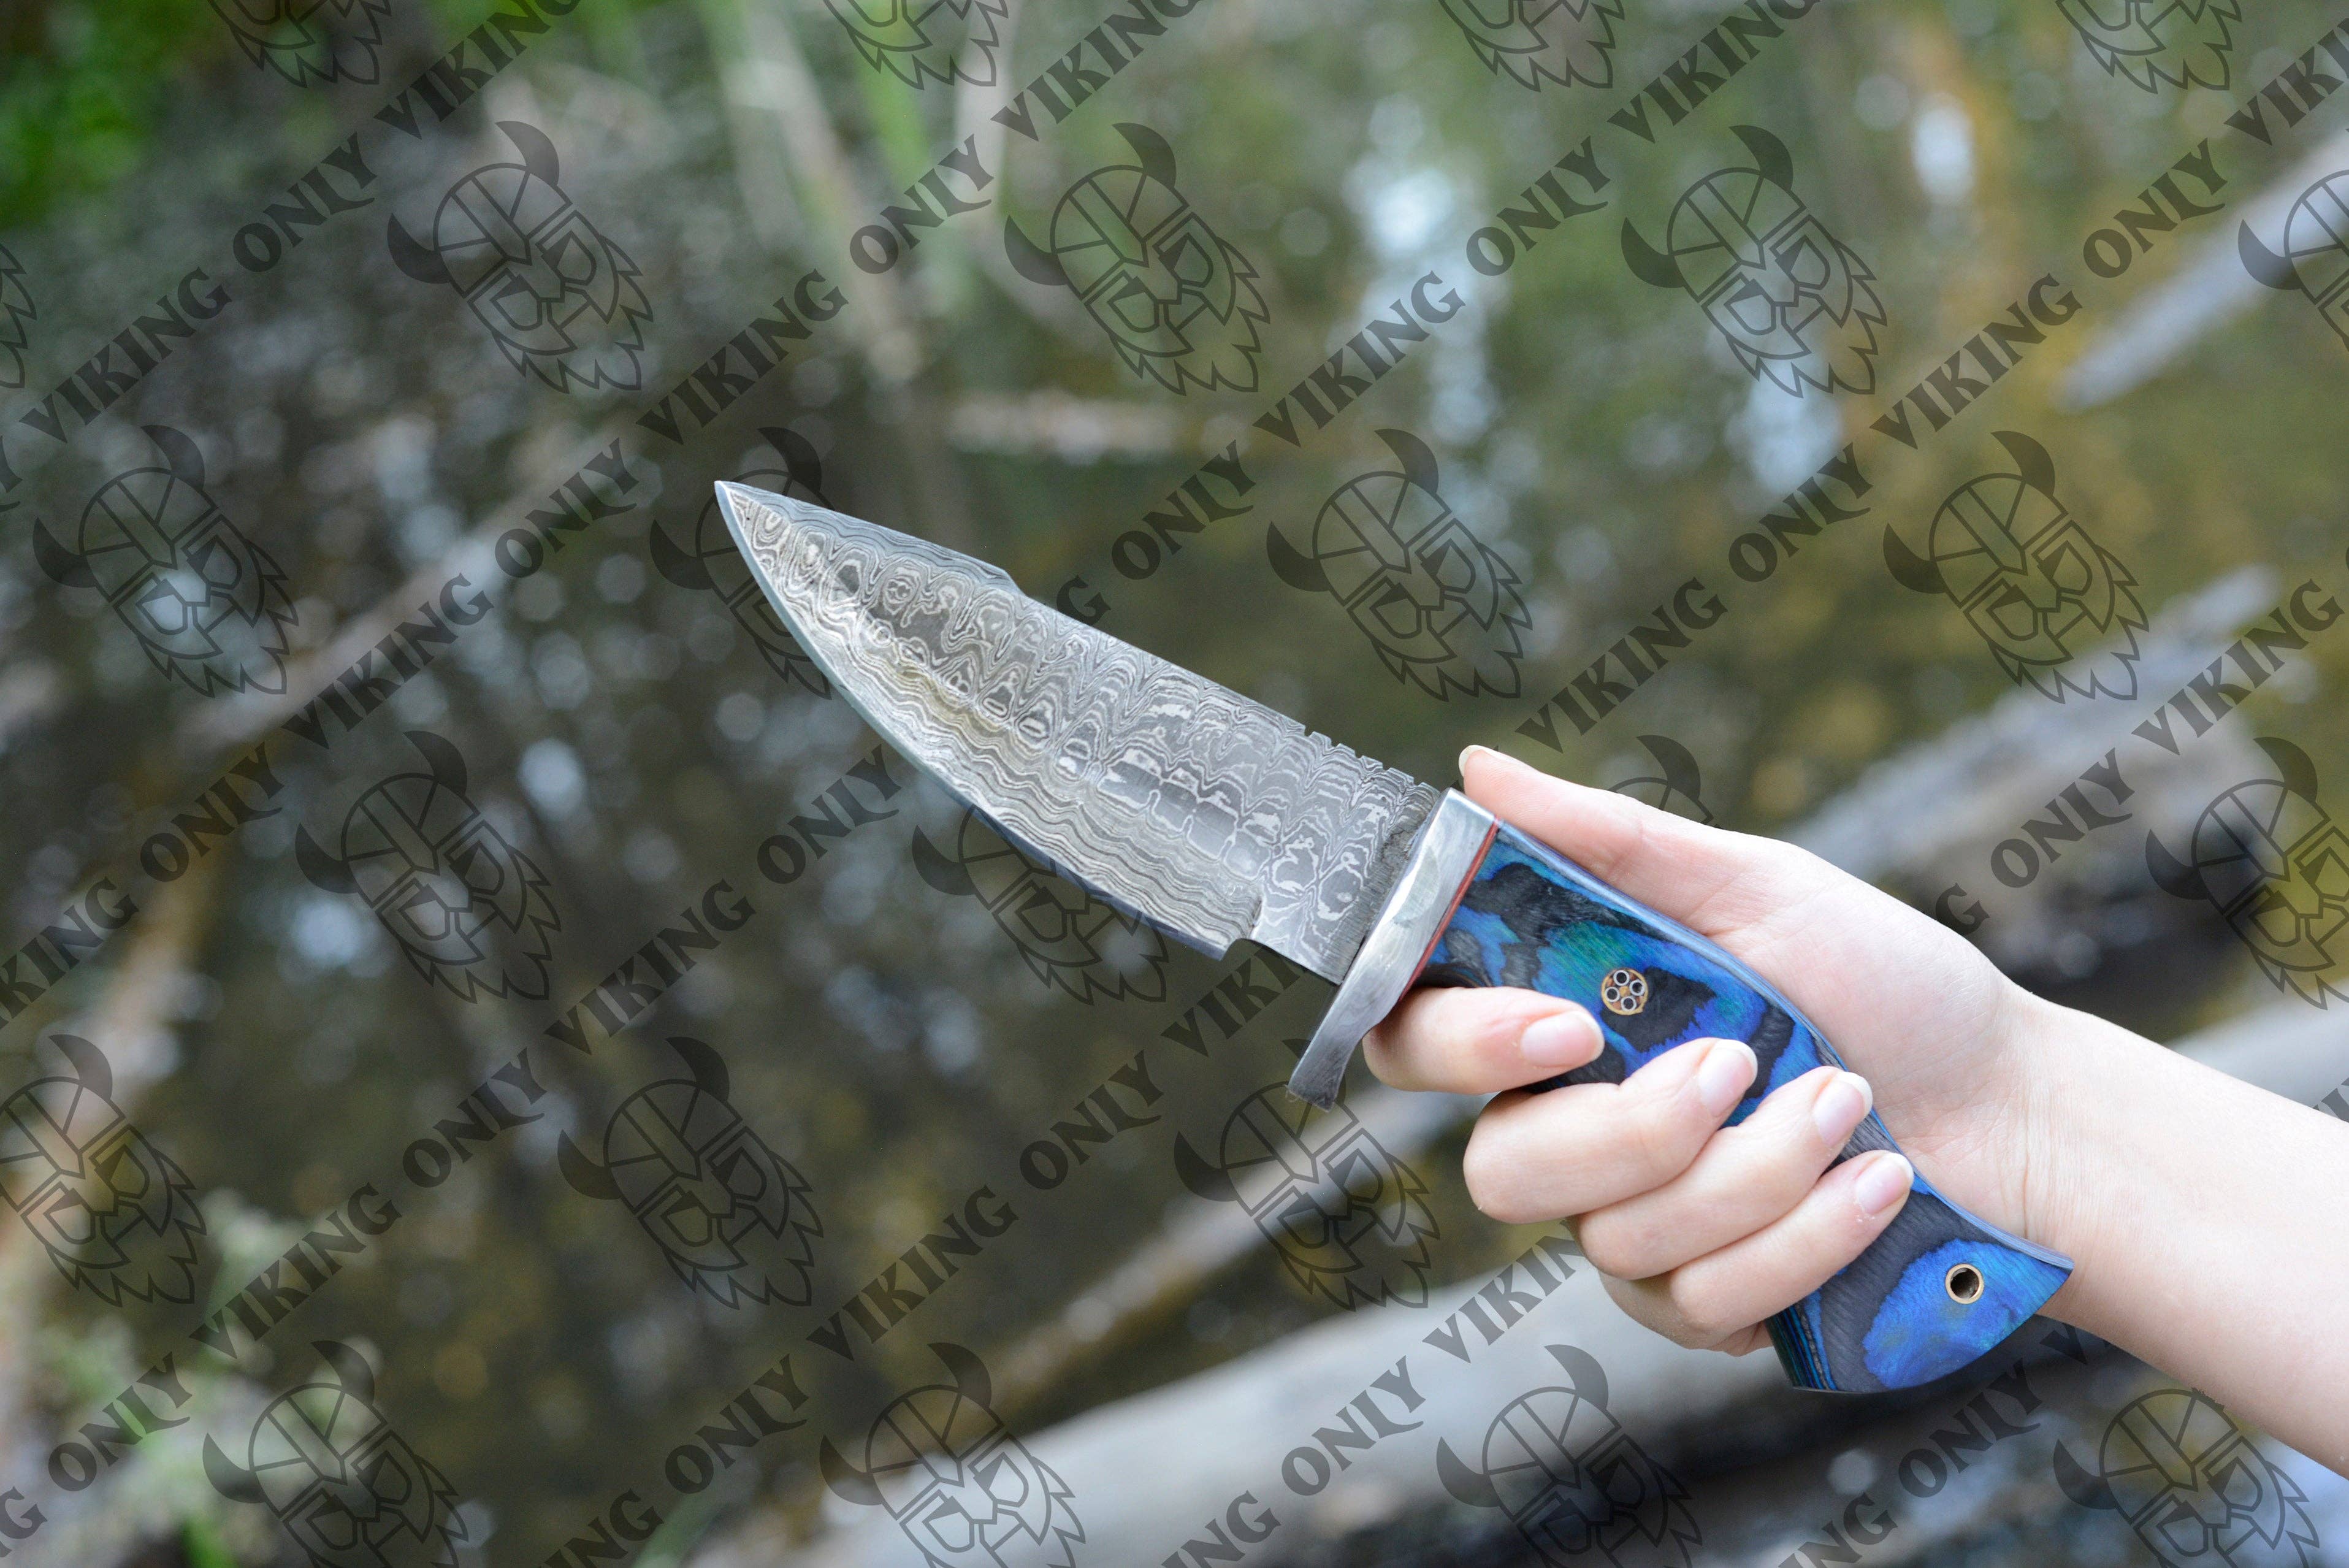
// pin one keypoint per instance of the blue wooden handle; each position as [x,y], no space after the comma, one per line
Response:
[1936,1290]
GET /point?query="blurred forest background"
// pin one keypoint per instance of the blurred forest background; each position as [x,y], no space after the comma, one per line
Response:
[884,1034]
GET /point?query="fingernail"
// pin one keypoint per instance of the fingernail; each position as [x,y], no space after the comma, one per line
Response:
[1567,1039]
[1728,1068]
[1881,1183]
[1673,1068]
[1839,1107]
[1469,751]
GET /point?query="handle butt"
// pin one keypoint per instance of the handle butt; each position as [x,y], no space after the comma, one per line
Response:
[1937,1290]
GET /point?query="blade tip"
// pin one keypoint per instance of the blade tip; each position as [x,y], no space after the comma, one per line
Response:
[752,514]
[731,496]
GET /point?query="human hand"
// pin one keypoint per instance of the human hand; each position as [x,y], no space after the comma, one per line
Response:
[1703,1230]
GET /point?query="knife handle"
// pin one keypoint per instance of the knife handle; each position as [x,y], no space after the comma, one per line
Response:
[1936,1290]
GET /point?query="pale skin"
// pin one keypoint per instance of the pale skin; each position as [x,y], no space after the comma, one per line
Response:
[2201,1214]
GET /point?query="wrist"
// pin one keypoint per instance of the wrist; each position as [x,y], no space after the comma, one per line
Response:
[2080,1081]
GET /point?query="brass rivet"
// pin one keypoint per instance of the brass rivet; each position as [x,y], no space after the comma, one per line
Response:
[1623,991]
[1964,1285]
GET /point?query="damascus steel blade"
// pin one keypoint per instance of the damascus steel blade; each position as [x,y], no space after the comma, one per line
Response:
[1207,815]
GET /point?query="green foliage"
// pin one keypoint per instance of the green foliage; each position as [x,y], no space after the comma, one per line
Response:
[81,83]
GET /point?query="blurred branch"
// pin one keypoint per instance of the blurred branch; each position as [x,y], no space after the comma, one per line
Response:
[1967,785]
[773,75]
[1056,311]
[1169,1270]
[977,102]
[2206,291]
[1762,1513]
[233,722]
[885,320]
[129,1021]
[1232,1426]
[1074,429]
[761,164]
[30,691]
[129,1017]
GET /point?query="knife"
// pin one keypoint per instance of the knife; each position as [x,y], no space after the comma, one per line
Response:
[1214,818]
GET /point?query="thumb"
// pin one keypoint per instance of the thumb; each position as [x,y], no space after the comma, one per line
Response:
[1709,879]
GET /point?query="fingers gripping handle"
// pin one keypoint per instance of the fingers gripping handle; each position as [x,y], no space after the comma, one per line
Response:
[1936,1290]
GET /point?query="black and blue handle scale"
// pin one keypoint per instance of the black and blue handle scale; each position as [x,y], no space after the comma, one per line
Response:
[1481,903]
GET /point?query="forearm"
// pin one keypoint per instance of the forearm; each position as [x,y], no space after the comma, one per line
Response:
[2199,1211]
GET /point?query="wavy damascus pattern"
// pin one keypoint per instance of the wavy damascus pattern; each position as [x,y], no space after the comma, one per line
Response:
[1210,815]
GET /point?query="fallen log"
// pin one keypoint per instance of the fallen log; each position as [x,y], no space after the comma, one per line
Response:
[1148,1473]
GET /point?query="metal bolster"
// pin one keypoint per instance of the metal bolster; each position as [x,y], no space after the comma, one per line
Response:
[1446,854]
